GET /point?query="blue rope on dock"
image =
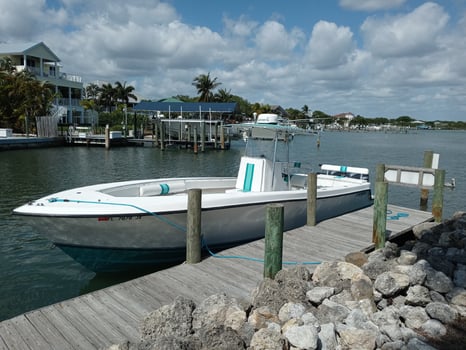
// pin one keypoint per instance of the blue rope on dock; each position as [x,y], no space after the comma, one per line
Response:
[204,244]
[160,217]
[397,216]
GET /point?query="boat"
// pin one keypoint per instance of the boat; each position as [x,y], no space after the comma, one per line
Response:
[129,225]
[266,120]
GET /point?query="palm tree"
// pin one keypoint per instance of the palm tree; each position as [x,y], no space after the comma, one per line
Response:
[107,96]
[223,95]
[92,92]
[204,86]
[305,110]
[123,93]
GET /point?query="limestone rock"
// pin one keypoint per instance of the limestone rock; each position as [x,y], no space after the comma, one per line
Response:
[390,283]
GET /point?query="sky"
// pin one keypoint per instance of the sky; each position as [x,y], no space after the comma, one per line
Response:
[374,58]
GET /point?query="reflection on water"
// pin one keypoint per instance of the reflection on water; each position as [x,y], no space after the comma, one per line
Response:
[34,273]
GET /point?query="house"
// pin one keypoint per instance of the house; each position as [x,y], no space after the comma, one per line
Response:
[39,60]
[345,117]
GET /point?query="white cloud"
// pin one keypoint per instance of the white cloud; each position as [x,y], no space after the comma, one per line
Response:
[274,42]
[414,34]
[330,46]
[370,5]
[403,63]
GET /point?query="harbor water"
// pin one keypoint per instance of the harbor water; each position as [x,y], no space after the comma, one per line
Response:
[33,273]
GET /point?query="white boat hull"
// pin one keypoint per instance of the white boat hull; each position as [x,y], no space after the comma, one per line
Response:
[112,242]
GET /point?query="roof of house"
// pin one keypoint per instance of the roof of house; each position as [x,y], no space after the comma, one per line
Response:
[170,99]
[32,49]
[188,107]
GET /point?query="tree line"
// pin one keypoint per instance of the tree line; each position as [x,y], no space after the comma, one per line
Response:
[23,98]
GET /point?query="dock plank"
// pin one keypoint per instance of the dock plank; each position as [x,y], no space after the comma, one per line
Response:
[11,336]
[114,314]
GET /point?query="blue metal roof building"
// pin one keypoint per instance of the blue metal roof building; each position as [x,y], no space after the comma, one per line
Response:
[191,109]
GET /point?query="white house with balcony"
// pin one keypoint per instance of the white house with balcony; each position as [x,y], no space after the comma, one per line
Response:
[343,119]
[45,66]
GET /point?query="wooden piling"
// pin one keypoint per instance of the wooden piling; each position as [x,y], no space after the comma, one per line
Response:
[428,157]
[222,136]
[193,233]
[107,136]
[437,200]
[380,173]
[203,136]
[195,140]
[162,136]
[311,199]
[380,214]
[273,239]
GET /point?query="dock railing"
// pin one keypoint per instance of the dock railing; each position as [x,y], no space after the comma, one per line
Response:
[425,178]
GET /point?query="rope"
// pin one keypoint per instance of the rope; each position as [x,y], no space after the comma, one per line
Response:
[204,244]
[160,217]
[183,229]
[397,216]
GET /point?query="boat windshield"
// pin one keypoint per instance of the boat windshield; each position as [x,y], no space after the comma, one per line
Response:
[274,143]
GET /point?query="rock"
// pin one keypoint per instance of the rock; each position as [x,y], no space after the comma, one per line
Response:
[391,250]
[442,312]
[169,321]
[335,274]
[327,337]
[266,339]
[392,331]
[361,287]
[291,310]
[170,343]
[221,338]
[459,276]
[413,316]
[330,311]
[438,281]
[420,229]
[418,296]
[218,310]
[294,283]
[309,319]
[433,329]
[269,294]
[356,258]
[459,299]
[303,337]
[417,344]
[407,258]
[394,345]
[262,317]
[317,294]
[390,283]
[375,267]
[354,338]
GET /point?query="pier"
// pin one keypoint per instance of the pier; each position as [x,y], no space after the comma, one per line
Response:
[112,315]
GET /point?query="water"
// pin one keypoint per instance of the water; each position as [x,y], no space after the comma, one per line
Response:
[34,273]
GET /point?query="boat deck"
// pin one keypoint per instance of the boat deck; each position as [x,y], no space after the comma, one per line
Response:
[112,315]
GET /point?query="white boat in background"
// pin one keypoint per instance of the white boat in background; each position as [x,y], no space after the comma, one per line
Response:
[266,120]
[124,225]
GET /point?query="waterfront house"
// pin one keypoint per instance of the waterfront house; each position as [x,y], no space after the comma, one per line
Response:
[342,120]
[44,64]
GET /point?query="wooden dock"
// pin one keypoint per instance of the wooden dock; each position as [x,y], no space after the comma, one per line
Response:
[112,315]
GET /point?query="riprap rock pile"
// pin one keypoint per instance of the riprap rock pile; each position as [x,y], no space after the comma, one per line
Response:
[410,296]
